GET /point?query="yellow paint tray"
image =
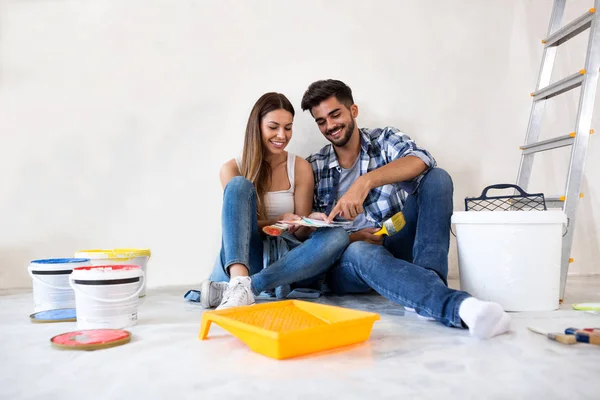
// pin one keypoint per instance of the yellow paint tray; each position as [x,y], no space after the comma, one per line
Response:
[291,328]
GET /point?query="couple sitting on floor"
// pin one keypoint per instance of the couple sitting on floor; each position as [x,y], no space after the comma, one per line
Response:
[365,176]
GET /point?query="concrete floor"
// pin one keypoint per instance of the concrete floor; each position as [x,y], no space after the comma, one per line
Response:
[406,357]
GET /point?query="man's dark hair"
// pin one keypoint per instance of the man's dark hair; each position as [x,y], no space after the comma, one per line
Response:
[322,90]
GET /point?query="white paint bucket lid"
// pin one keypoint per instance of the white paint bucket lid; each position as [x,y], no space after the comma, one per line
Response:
[509,217]
[57,264]
[106,273]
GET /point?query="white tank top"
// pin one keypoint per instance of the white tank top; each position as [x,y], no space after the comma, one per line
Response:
[281,201]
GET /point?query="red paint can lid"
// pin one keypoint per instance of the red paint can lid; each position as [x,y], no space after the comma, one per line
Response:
[109,268]
[91,339]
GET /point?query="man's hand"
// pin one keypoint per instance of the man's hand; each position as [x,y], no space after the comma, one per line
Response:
[366,235]
[351,203]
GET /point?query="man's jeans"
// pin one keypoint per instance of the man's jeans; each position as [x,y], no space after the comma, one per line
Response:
[411,267]
[242,244]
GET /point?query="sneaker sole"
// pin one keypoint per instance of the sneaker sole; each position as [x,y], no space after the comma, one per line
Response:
[205,295]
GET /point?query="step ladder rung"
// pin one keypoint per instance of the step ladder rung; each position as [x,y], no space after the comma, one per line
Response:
[554,143]
[571,30]
[559,87]
[555,201]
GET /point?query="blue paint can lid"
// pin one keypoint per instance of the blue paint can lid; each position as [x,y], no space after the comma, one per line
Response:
[61,260]
[58,315]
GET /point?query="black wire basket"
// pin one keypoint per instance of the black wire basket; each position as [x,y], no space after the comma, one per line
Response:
[520,202]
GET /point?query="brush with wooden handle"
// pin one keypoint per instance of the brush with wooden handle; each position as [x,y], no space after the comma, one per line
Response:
[275,229]
[559,337]
[392,225]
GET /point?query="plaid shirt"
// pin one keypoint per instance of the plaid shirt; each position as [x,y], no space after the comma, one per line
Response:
[378,148]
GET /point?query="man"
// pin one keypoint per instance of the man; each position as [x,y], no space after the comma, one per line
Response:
[369,175]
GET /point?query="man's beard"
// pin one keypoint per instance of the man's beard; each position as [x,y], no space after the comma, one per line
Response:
[341,142]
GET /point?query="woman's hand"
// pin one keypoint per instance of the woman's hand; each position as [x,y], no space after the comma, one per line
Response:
[290,217]
[318,215]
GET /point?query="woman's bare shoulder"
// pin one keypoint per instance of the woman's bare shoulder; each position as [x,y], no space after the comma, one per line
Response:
[303,169]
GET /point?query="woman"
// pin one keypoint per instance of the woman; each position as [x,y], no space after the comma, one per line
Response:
[268,184]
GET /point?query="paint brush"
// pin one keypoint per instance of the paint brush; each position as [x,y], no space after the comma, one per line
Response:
[275,229]
[558,337]
[392,225]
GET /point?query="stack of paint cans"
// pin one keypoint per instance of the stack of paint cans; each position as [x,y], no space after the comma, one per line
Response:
[99,289]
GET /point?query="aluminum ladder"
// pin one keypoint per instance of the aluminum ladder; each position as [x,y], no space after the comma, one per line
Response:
[587,79]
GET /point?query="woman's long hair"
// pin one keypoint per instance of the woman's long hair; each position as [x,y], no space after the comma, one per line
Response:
[254,166]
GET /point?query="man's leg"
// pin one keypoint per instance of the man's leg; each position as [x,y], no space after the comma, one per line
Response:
[425,239]
[364,266]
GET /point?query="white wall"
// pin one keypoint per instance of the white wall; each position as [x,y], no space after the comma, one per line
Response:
[116,115]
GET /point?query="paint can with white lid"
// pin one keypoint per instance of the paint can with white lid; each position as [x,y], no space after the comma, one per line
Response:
[107,296]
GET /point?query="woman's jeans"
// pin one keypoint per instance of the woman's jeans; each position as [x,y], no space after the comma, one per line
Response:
[242,243]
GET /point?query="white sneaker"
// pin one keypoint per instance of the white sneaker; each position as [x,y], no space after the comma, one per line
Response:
[238,293]
[211,293]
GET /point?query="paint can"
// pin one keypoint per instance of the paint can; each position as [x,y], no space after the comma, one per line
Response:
[130,256]
[511,257]
[107,296]
[50,281]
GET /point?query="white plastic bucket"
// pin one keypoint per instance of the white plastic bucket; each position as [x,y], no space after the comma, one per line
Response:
[107,296]
[511,257]
[119,256]
[50,281]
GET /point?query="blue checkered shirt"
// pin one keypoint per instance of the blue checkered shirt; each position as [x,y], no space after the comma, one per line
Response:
[378,148]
